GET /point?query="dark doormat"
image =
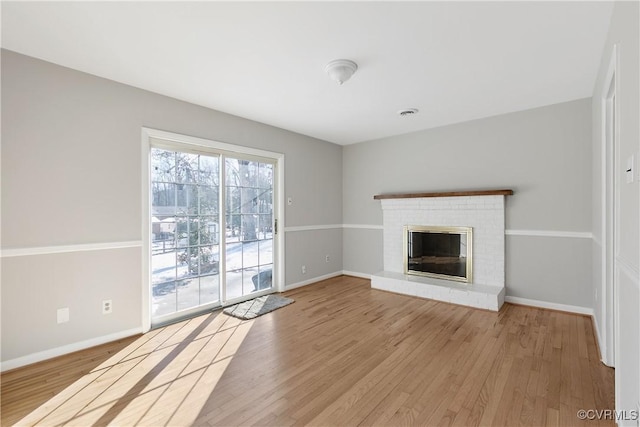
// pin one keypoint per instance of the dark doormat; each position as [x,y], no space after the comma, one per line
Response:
[257,306]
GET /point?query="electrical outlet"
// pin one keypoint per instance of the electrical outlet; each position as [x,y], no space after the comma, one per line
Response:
[326,258]
[107,306]
[63,315]
[304,269]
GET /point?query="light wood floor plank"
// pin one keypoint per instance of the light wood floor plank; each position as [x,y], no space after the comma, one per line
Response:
[342,354]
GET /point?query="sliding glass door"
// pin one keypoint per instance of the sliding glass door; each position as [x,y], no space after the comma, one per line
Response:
[249,220]
[212,227]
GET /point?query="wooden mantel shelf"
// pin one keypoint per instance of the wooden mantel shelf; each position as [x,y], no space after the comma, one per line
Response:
[444,194]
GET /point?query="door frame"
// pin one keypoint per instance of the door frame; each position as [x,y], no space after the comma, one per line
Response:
[610,211]
[226,149]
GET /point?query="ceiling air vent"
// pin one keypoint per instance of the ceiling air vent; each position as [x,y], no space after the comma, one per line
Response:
[408,112]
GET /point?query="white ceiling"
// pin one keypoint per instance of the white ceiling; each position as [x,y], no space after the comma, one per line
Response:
[454,61]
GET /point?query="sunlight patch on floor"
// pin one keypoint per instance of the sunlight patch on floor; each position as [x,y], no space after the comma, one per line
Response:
[170,374]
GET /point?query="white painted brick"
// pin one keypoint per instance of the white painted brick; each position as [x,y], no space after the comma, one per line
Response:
[484,213]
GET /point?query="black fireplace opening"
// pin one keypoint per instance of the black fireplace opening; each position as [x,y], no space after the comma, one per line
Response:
[443,252]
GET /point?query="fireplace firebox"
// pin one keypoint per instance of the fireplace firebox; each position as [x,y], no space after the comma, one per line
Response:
[441,252]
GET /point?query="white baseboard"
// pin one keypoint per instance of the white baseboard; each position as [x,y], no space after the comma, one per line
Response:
[550,305]
[65,349]
[357,274]
[313,280]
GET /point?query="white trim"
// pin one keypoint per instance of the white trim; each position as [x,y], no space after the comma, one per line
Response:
[608,200]
[364,226]
[279,214]
[313,280]
[66,349]
[46,250]
[312,227]
[550,233]
[145,200]
[549,305]
[357,274]
[209,143]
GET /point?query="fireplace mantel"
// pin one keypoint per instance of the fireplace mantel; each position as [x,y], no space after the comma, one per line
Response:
[506,192]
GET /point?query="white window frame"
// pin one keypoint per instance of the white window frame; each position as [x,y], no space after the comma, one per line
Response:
[215,147]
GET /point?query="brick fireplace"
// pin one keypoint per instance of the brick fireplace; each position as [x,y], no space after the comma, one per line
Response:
[483,211]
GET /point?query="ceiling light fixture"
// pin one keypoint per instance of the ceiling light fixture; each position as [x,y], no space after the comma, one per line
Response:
[408,112]
[341,70]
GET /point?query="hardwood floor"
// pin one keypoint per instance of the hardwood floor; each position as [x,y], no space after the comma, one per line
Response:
[342,354]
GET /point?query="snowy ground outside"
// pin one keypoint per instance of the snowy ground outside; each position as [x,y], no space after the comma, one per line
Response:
[175,289]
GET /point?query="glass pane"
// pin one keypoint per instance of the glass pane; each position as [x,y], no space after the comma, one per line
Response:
[208,200]
[209,169]
[163,267]
[249,200]
[250,254]
[163,233]
[264,278]
[187,262]
[234,284]
[266,251]
[234,256]
[232,177]
[248,173]
[163,164]
[208,228]
[186,168]
[164,299]
[188,291]
[163,275]
[182,231]
[233,200]
[266,227]
[163,199]
[208,259]
[234,224]
[249,280]
[209,289]
[265,177]
[265,202]
[249,227]
[187,199]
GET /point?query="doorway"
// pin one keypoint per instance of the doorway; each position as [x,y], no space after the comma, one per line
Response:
[212,217]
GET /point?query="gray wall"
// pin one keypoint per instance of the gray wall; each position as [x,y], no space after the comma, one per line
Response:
[624,31]
[543,154]
[71,160]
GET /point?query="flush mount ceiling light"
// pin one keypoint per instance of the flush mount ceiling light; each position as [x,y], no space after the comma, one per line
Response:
[408,112]
[341,70]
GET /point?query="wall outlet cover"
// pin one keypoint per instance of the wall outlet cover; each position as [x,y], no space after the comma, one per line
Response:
[107,306]
[63,315]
